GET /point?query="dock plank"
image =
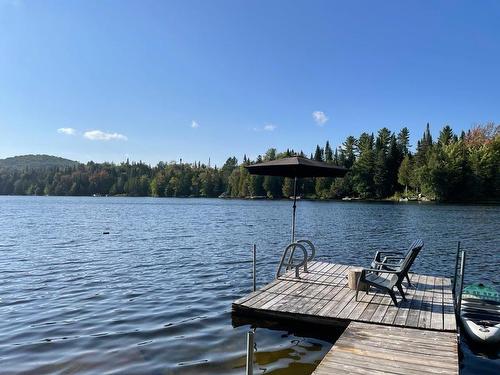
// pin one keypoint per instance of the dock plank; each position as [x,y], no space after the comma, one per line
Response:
[375,349]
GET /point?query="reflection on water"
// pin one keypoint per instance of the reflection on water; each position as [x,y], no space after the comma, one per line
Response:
[154,295]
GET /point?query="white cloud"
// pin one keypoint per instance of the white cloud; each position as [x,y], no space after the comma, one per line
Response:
[195,125]
[98,135]
[319,117]
[67,131]
[269,127]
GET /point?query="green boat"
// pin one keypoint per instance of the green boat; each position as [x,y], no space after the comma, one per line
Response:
[482,291]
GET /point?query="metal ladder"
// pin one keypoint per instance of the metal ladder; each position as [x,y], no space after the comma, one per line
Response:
[287,259]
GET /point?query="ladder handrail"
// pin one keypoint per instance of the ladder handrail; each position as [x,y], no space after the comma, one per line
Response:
[313,249]
[289,264]
[309,258]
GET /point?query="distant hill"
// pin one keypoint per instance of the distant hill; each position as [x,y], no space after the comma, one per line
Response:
[36,162]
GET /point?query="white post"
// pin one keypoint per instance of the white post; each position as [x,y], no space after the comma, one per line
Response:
[250,341]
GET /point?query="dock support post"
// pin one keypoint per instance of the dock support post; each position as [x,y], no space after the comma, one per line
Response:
[250,343]
[254,267]
[456,271]
[459,299]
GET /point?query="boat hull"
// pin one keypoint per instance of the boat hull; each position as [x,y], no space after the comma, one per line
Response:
[488,335]
[481,319]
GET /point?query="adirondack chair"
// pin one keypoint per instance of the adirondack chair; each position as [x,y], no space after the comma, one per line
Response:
[386,280]
[392,260]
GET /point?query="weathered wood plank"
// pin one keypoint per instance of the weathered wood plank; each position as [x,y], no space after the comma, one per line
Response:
[424,320]
[289,298]
[375,349]
[416,305]
[449,321]
[280,286]
[437,305]
[373,307]
[405,306]
[272,284]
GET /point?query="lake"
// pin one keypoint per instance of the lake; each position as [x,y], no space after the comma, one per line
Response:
[154,295]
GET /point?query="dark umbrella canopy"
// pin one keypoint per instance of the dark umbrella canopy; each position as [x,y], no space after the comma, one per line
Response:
[296,166]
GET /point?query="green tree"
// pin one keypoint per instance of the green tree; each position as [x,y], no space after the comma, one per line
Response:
[363,168]
[328,153]
[288,187]
[403,141]
[273,186]
[445,136]
[234,183]
[404,173]
[424,146]
[347,154]
[256,188]
[318,154]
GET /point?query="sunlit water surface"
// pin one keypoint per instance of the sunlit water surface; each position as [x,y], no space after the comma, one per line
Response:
[154,295]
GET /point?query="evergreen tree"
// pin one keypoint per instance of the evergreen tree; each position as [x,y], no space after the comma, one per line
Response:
[445,136]
[403,141]
[347,156]
[424,145]
[233,183]
[393,161]
[383,139]
[288,187]
[336,157]
[318,154]
[363,168]
[380,176]
[256,188]
[404,173]
[273,186]
[270,154]
[328,153]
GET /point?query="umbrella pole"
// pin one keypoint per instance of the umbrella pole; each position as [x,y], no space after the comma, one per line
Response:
[294,207]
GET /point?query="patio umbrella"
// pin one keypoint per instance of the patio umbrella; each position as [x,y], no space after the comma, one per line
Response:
[296,167]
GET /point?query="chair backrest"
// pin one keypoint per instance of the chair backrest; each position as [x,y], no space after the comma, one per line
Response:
[407,262]
[413,251]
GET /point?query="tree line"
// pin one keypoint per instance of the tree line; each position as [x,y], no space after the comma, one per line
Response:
[455,167]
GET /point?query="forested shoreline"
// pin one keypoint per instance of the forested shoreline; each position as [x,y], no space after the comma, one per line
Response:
[454,167]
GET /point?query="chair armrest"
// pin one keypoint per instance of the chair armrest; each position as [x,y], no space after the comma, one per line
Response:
[392,252]
[375,270]
[384,263]
[393,265]
[393,257]
[380,255]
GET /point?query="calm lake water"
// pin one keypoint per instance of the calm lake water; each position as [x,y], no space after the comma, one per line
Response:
[154,295]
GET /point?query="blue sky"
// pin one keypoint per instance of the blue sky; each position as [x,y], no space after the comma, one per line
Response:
[163,80]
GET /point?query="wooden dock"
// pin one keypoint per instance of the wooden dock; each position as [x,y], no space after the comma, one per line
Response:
[368,349]
[322,296]
[417,336]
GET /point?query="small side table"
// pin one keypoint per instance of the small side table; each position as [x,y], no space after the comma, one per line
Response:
[353,275]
